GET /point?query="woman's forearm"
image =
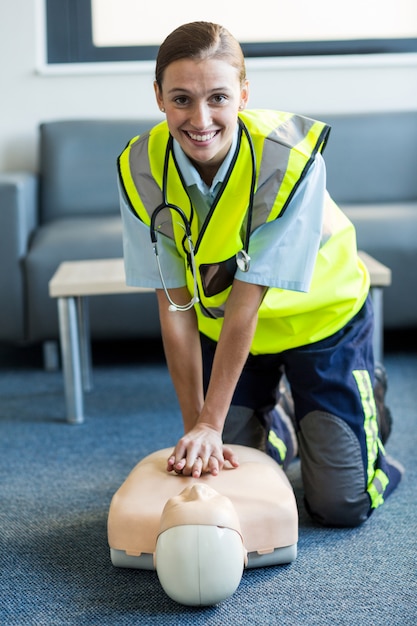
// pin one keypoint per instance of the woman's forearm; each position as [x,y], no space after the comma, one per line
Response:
[183,354]
[201,448]
[232,350]
[182,348]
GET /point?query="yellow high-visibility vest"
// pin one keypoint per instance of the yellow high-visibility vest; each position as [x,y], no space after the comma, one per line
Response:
[284,147]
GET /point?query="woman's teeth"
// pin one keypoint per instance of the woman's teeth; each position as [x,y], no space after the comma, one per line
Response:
[205,137]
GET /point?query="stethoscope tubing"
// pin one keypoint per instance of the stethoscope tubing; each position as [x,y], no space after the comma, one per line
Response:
[242,257]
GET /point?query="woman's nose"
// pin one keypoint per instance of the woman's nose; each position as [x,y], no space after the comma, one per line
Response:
[201,116]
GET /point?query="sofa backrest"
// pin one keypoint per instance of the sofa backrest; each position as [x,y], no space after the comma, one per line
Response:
[78,171]
[372,157]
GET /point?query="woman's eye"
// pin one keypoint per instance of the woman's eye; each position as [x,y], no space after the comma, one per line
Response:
[219,98]
[181,100]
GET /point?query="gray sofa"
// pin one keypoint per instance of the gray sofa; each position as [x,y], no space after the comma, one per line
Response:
[372,174]
[69,210]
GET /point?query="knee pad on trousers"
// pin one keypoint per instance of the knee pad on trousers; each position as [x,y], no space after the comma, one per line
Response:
[332,470]
[243,427]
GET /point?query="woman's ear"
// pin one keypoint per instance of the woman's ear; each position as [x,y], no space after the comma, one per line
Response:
[158,96]
[244,95]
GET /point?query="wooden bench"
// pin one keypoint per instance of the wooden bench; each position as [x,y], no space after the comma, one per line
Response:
[75,281]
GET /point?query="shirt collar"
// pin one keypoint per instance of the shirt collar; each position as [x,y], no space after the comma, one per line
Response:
[190,173]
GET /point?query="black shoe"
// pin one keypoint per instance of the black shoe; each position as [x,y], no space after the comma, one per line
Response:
[286,401]
[383,413]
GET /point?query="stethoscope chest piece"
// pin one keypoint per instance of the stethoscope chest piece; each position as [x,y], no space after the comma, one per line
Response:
[243,260]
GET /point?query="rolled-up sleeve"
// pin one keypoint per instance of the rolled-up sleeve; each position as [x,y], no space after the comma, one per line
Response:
[139,258]
[283,252]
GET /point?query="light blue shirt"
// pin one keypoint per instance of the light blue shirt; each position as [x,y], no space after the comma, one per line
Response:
[192,177]
[283,252]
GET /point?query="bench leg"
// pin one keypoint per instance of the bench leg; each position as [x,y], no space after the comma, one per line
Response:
[50,350]
[71,359]
[378,340]
[85,345]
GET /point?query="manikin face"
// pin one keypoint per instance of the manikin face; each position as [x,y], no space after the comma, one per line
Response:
[199,504]
[201,99]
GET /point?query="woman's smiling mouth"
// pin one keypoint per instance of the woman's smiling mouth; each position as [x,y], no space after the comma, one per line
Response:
[201,137]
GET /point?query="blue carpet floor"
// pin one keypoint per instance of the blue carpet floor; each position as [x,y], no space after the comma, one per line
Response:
[57,481]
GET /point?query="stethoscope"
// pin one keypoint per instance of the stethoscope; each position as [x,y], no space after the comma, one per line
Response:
[242,256]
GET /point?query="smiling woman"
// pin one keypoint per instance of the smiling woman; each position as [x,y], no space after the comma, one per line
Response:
[214,180]
[80,31]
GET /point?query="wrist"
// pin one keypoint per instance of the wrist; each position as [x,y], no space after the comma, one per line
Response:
[213,422]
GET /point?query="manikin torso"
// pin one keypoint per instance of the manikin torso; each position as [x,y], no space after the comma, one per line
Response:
[258,489]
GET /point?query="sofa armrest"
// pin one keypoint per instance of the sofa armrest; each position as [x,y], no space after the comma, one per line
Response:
[18,219]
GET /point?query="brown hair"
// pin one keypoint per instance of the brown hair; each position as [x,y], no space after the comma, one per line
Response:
[199,40]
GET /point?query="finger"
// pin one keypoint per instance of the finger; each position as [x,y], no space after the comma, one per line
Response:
[213,466]
[205,460]
[173,463]
[230,456]
[180,466]
[176,461]
[170,463]
[197,467]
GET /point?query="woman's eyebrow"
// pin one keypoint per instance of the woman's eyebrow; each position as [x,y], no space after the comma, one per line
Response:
[188,91]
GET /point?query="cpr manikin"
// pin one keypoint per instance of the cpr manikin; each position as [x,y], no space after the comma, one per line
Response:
[200,534]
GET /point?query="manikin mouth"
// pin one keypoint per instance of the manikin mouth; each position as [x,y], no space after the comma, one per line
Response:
[202,137]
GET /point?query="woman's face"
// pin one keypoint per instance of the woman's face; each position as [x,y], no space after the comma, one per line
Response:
[201,99]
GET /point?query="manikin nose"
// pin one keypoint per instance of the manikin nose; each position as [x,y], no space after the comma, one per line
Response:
[199,491]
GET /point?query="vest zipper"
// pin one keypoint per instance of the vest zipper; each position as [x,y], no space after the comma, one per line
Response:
[219,193]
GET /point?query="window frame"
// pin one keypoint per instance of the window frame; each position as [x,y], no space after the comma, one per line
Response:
[68,32]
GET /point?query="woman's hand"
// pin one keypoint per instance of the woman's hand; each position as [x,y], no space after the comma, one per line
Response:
[200,451]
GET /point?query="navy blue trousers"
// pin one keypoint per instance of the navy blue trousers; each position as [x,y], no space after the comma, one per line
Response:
[332,388]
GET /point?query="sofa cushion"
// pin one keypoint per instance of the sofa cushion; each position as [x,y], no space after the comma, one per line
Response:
[78,165]
[372,157]
[80,239]
[384,226]
[388,232]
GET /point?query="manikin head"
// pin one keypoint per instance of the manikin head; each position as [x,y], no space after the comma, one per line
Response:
[199,554]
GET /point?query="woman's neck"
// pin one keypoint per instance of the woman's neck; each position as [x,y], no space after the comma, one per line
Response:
[207,171]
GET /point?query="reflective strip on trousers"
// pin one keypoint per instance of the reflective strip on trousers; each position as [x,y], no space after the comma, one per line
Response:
[278,444]
[377,480]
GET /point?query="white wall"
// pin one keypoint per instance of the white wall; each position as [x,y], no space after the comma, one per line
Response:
[312,86]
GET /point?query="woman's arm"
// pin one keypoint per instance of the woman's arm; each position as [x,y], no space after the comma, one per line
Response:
[182,348]
[201,449]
